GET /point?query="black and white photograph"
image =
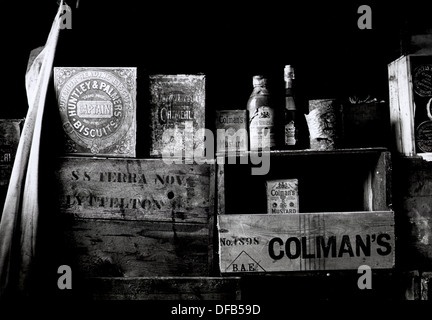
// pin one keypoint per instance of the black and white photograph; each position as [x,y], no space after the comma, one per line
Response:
[216,159]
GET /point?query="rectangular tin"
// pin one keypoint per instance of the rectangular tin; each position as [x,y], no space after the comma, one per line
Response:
[282,196]
[177,111]
[231,131]
[97,109]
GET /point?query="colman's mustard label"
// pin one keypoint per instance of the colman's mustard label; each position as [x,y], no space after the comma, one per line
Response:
[282,196]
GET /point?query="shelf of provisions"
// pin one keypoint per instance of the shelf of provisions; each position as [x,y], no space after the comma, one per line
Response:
[345,216]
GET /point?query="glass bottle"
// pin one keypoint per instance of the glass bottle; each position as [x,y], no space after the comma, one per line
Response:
[292,117]
[261,113]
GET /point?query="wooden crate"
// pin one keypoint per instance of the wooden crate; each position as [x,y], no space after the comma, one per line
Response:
[407,107]
[413,204]
[136,218]
[306,242]
[346,180]
[343,194]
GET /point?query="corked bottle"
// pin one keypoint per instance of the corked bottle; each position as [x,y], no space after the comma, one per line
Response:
[261,112]
[291,124]
[295,128]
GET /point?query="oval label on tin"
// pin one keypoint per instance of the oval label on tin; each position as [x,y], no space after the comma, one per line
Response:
[429,109]
[96,108]
[424,136]
[422,80]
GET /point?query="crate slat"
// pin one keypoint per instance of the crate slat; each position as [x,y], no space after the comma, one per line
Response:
[164,288]
[140,189]
[306,242]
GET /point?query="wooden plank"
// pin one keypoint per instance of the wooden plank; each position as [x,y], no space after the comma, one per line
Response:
[164,288]
[406,107]
[295,153]
[114,248]
[141,189]
[377,187]
[308,241]
[401,105]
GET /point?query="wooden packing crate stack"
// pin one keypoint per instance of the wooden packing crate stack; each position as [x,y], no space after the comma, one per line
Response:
[131,220]
[410,88]
[142,224]
[146,224]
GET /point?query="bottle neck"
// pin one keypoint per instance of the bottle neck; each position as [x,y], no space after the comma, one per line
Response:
[260,90]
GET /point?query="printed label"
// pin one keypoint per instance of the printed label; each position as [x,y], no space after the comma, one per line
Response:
[97,108]
[422,80]
[424,136]
[282,196]
[290,139]
[177,112]
[232,134]
[262,126]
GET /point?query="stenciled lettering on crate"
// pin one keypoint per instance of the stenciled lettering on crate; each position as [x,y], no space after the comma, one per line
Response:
[135,189]
[137,218]
[306,242]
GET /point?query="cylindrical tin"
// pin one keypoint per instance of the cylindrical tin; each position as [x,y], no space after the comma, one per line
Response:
[324,124]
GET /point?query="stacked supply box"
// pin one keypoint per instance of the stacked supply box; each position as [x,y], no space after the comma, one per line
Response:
[137,217]
[410,90]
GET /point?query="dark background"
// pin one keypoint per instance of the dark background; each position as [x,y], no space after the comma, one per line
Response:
[227,41]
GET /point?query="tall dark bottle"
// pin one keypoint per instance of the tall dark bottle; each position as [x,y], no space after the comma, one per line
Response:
[293,118]
[261,112]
